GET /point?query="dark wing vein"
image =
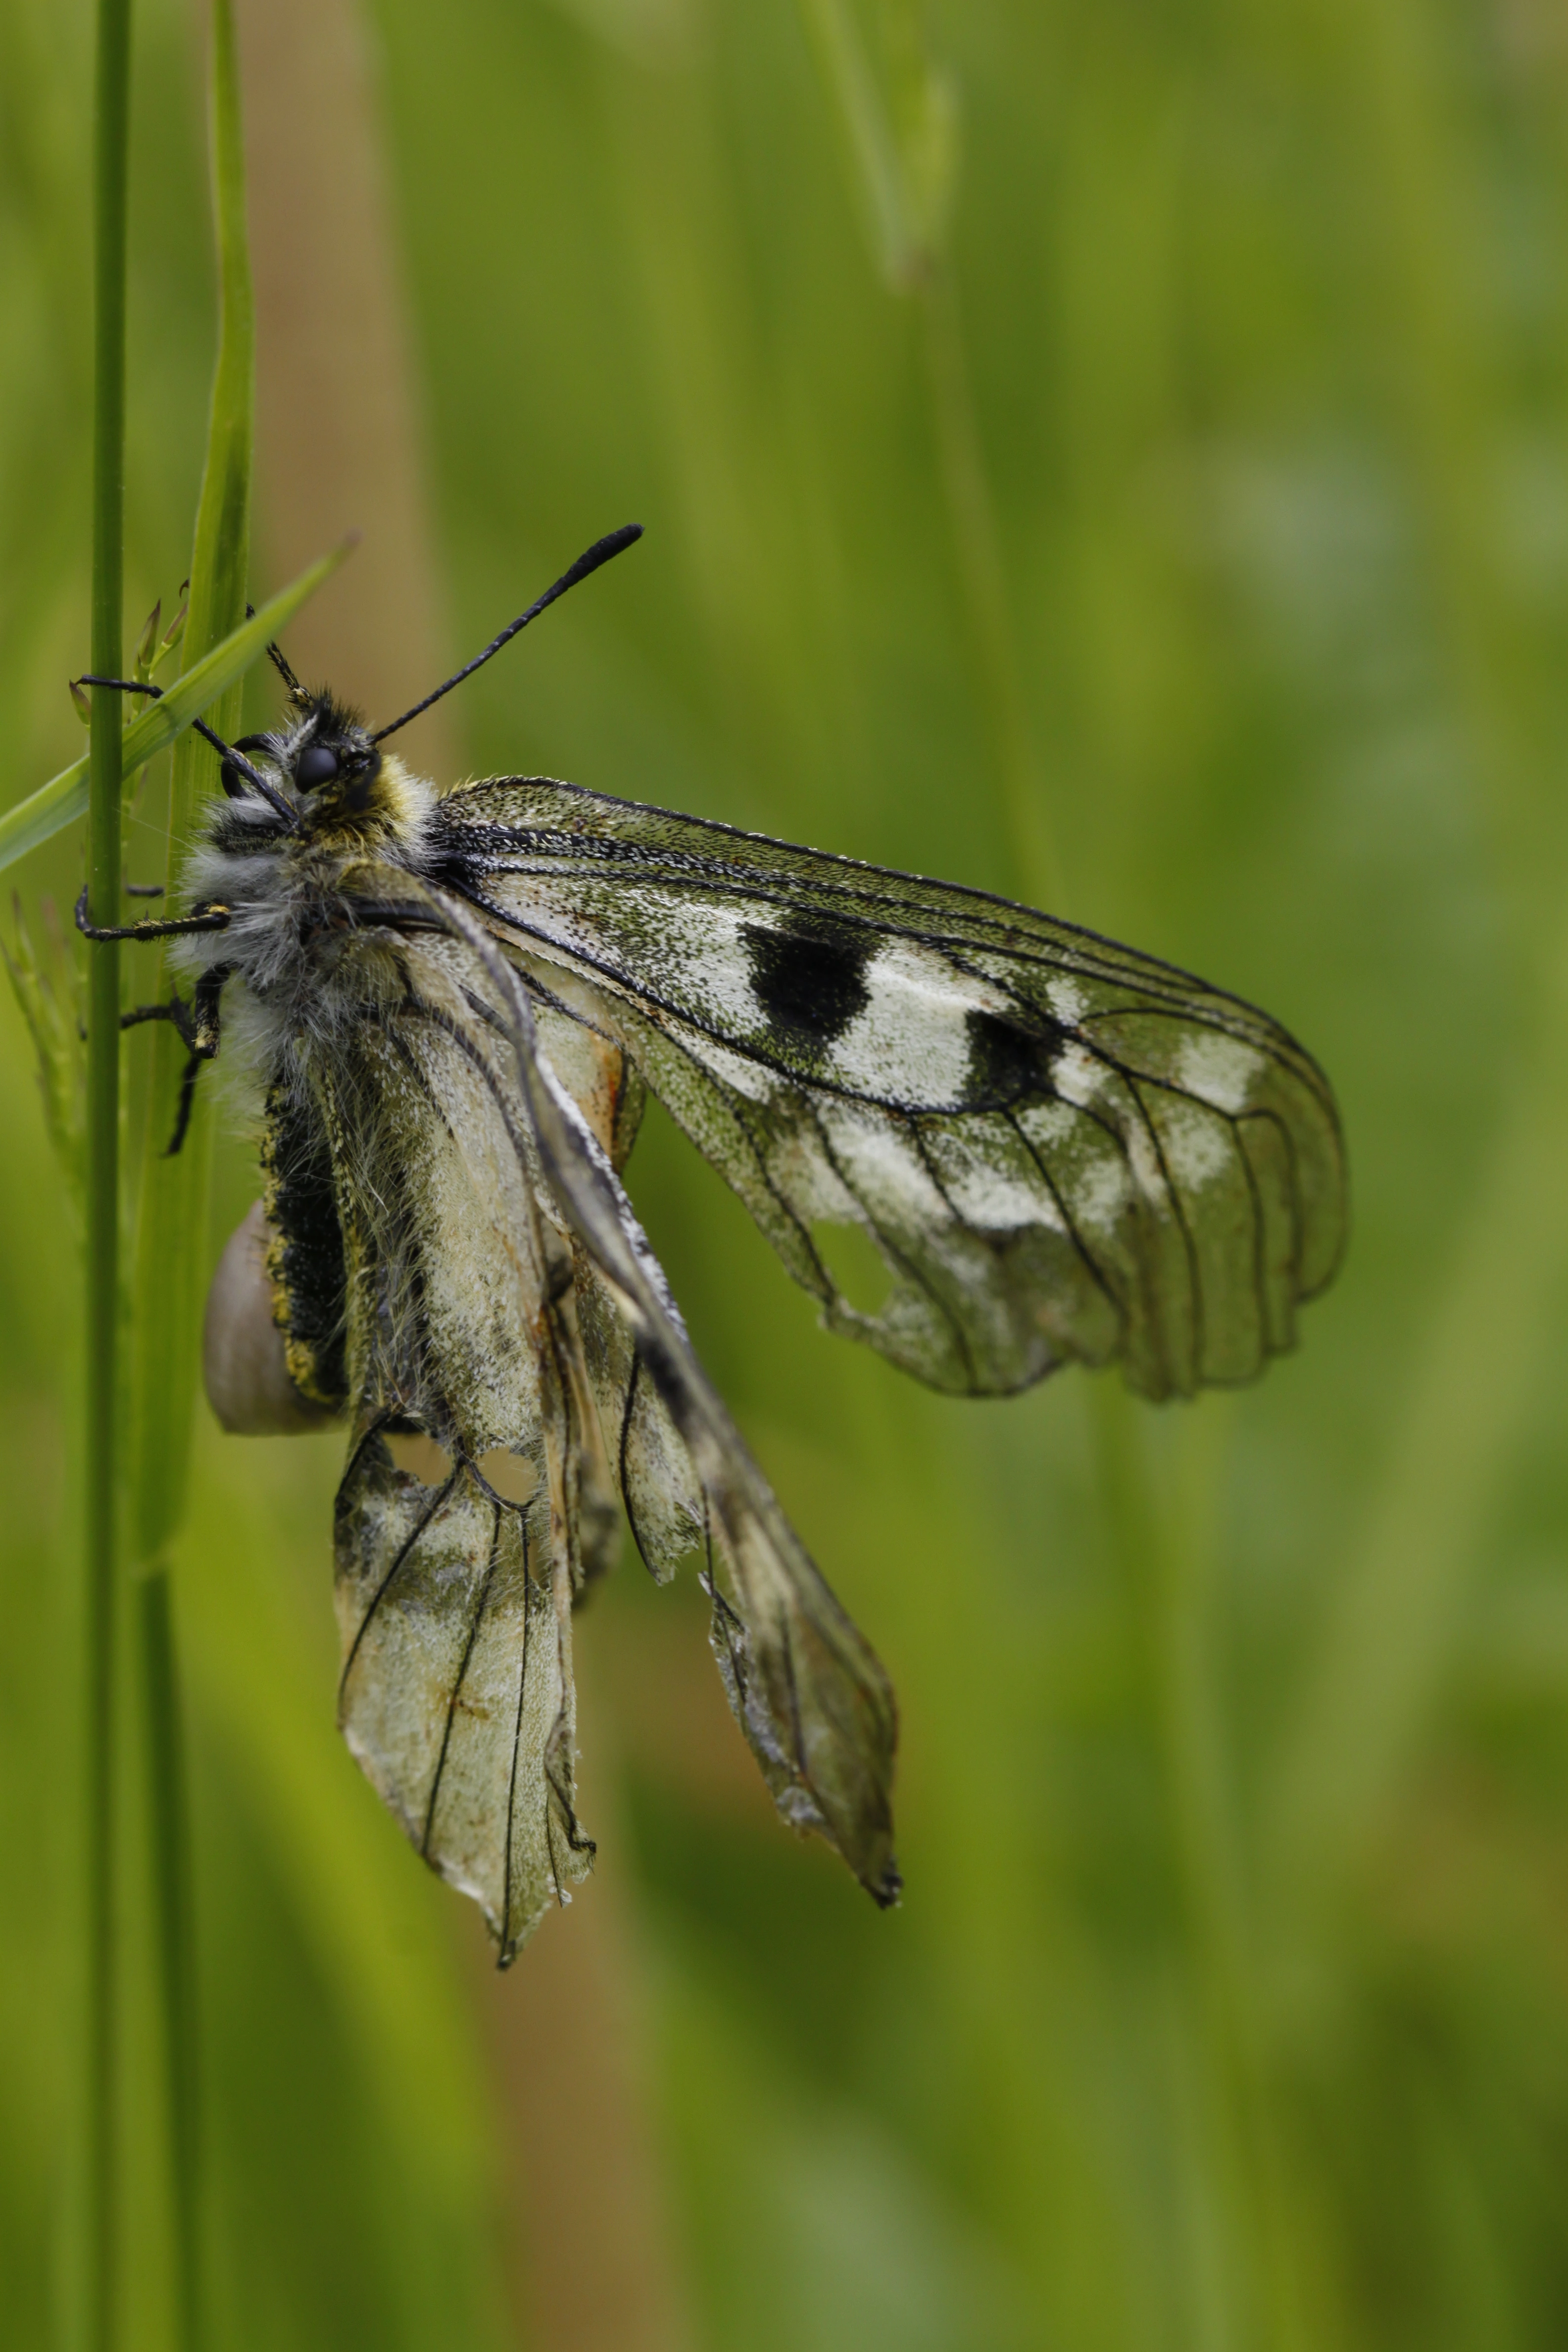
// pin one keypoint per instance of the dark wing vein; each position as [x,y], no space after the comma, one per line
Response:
[1151,976]
[405,1551]
[516,1742]
[474,1623]
[689,870]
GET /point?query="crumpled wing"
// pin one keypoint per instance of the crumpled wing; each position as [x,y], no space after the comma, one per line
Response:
[455,1597]
[1059,1147]
[807,1690]
[805,1687]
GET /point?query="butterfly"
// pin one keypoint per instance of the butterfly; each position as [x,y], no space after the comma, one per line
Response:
[456,1003]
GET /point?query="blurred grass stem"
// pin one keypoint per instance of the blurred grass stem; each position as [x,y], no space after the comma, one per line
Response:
[977,549]
[903,158]
[1367,1695]
[1164,1542]
[169,1854]
[111,153]
[1367,1701]
[1162,1524]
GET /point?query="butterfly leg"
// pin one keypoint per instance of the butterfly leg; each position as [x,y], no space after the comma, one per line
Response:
[176,1009]
[199,1025]
[199,1029]
[209,918]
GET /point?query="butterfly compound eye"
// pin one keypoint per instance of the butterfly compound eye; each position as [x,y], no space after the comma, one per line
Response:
[315,766]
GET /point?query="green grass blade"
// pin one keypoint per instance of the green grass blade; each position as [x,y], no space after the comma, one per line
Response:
[173,1211]
[899,132]
[65,797]
[870,138]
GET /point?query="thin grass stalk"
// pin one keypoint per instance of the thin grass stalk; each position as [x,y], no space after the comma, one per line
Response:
[1164,1569]
[169,1859]
[1162,1517]
[904,164]
[977,549]
[173,1209]
[111,159]
[1159,1568]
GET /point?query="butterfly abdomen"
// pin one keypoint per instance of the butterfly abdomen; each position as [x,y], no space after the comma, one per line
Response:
[305,1251]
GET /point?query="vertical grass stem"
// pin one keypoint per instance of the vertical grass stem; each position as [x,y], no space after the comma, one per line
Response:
[172,1198]
[174,1956]
[977,548]
[111,149]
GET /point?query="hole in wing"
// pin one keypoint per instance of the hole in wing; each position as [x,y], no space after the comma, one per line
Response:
[418,1457]
[855,1265]
[513,1476]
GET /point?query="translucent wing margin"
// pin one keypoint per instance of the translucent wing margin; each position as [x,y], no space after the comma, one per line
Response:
[1059,1149]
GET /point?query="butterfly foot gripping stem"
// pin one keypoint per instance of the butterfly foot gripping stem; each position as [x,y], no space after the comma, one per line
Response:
[209,918]
[181,1014]
[199,1029]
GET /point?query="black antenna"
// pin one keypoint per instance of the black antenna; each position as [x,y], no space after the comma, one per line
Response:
[600,552]
[275,655]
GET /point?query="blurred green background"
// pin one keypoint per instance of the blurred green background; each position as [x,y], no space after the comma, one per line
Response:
[1228,2003]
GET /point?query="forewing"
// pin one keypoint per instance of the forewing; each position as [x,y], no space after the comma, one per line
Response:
[1058,1148]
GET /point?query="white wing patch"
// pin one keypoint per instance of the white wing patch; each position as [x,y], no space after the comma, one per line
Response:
[702,954]
[881,1165]
[912,1041]
[1219,1068]
[1077,1076]
[1102,1194]
[998,1203]
[1198,1148]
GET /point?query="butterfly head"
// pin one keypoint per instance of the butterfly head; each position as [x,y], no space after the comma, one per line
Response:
[344,788]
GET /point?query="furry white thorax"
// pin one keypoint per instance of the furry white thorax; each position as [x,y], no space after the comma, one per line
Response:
[302,971]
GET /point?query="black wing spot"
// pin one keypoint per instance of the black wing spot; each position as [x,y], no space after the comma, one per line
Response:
[810,981]
[1008,1061]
